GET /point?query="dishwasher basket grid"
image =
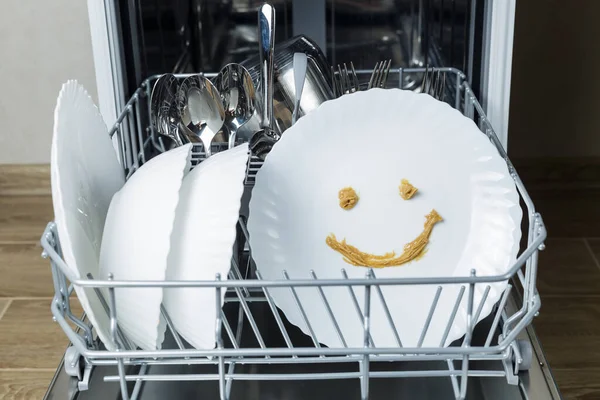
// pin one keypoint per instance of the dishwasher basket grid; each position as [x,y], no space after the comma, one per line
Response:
[248,302]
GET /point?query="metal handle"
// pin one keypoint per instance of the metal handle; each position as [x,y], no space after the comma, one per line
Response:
[266,33]
[300,61]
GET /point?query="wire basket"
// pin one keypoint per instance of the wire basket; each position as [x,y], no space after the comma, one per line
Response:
[252,334]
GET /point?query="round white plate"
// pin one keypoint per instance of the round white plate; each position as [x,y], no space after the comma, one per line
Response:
[202,241]
[370,141]
[85,174]
[137,241]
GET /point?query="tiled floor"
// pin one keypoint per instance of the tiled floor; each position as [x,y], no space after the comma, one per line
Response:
[31,344]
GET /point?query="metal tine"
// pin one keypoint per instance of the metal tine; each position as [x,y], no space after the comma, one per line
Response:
[374,75]
[250,317]
[355,84]
[425,80]
[280,324]
[480,307]
[348,88]
[334,82]
[229,330]
[219,337]
[124,340]
[438,85]
[387,311]
[429,316]
[378,73]
[442,90]
[328,308]
[453,379]
[342,82]
[488,340]
[302,312]
[236,274]
[356,306]
[431,85]
[171,327]
[384,75]
[452,316]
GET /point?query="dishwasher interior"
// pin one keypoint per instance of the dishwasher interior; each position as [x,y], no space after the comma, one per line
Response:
[503,359]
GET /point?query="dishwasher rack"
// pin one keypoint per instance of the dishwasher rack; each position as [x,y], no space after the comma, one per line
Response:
[248,303]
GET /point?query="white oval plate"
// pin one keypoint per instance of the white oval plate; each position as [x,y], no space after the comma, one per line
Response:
[85,174]
[370,141]
[202,241]
[137,240]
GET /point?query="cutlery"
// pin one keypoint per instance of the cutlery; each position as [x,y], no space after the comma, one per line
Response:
[347,80]
[238,95]
[300,61]
[380,75]
[263,140]
[201,111]
[434,83]
[163,97]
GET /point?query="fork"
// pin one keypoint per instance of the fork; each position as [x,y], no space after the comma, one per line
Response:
[434,83]
[380,74]
[344,81]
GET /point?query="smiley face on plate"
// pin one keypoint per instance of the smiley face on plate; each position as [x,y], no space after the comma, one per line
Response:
[348,199]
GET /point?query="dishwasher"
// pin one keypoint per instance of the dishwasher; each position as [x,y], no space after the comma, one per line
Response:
[259,353]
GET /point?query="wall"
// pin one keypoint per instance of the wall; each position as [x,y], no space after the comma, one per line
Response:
[42,44]
[555,90]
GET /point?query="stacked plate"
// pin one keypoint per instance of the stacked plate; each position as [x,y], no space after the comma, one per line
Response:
[165,222]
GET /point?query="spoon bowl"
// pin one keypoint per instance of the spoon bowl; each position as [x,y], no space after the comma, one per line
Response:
[200,110]
[235,85]
[164,95]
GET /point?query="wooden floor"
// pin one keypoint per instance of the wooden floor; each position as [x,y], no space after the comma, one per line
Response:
[31,344]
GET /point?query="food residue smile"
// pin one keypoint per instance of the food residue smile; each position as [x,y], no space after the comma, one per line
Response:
[411,250]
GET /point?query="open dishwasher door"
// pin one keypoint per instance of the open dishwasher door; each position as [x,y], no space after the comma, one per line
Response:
[142,38]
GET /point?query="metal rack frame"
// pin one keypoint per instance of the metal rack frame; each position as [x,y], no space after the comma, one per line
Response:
[137,142]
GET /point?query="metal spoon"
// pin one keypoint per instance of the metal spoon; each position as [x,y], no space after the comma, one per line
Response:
[300,61]
[237,92]
[163,97]
[201,110]
[263,140]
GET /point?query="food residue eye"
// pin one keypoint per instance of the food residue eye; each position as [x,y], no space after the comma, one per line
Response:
[407,190]
[348,198]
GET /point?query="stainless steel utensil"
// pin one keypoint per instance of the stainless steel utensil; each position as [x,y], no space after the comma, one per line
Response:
[263,140]
[380,74]
[317,86]
[164,94]
[434,83]
[237,93]
[201,110]
[300,60]
[345,81]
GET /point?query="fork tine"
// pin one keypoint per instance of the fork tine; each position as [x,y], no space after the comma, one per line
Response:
[347,88]
[334,82]
[355,84]
[373,76]
[341,78]
[385,74]
[442,90]
[435,77]
[380,74]
[425,76]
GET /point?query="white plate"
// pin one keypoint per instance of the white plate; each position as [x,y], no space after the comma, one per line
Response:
[202,241]
[85,174]
[136,242]
[370,141]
